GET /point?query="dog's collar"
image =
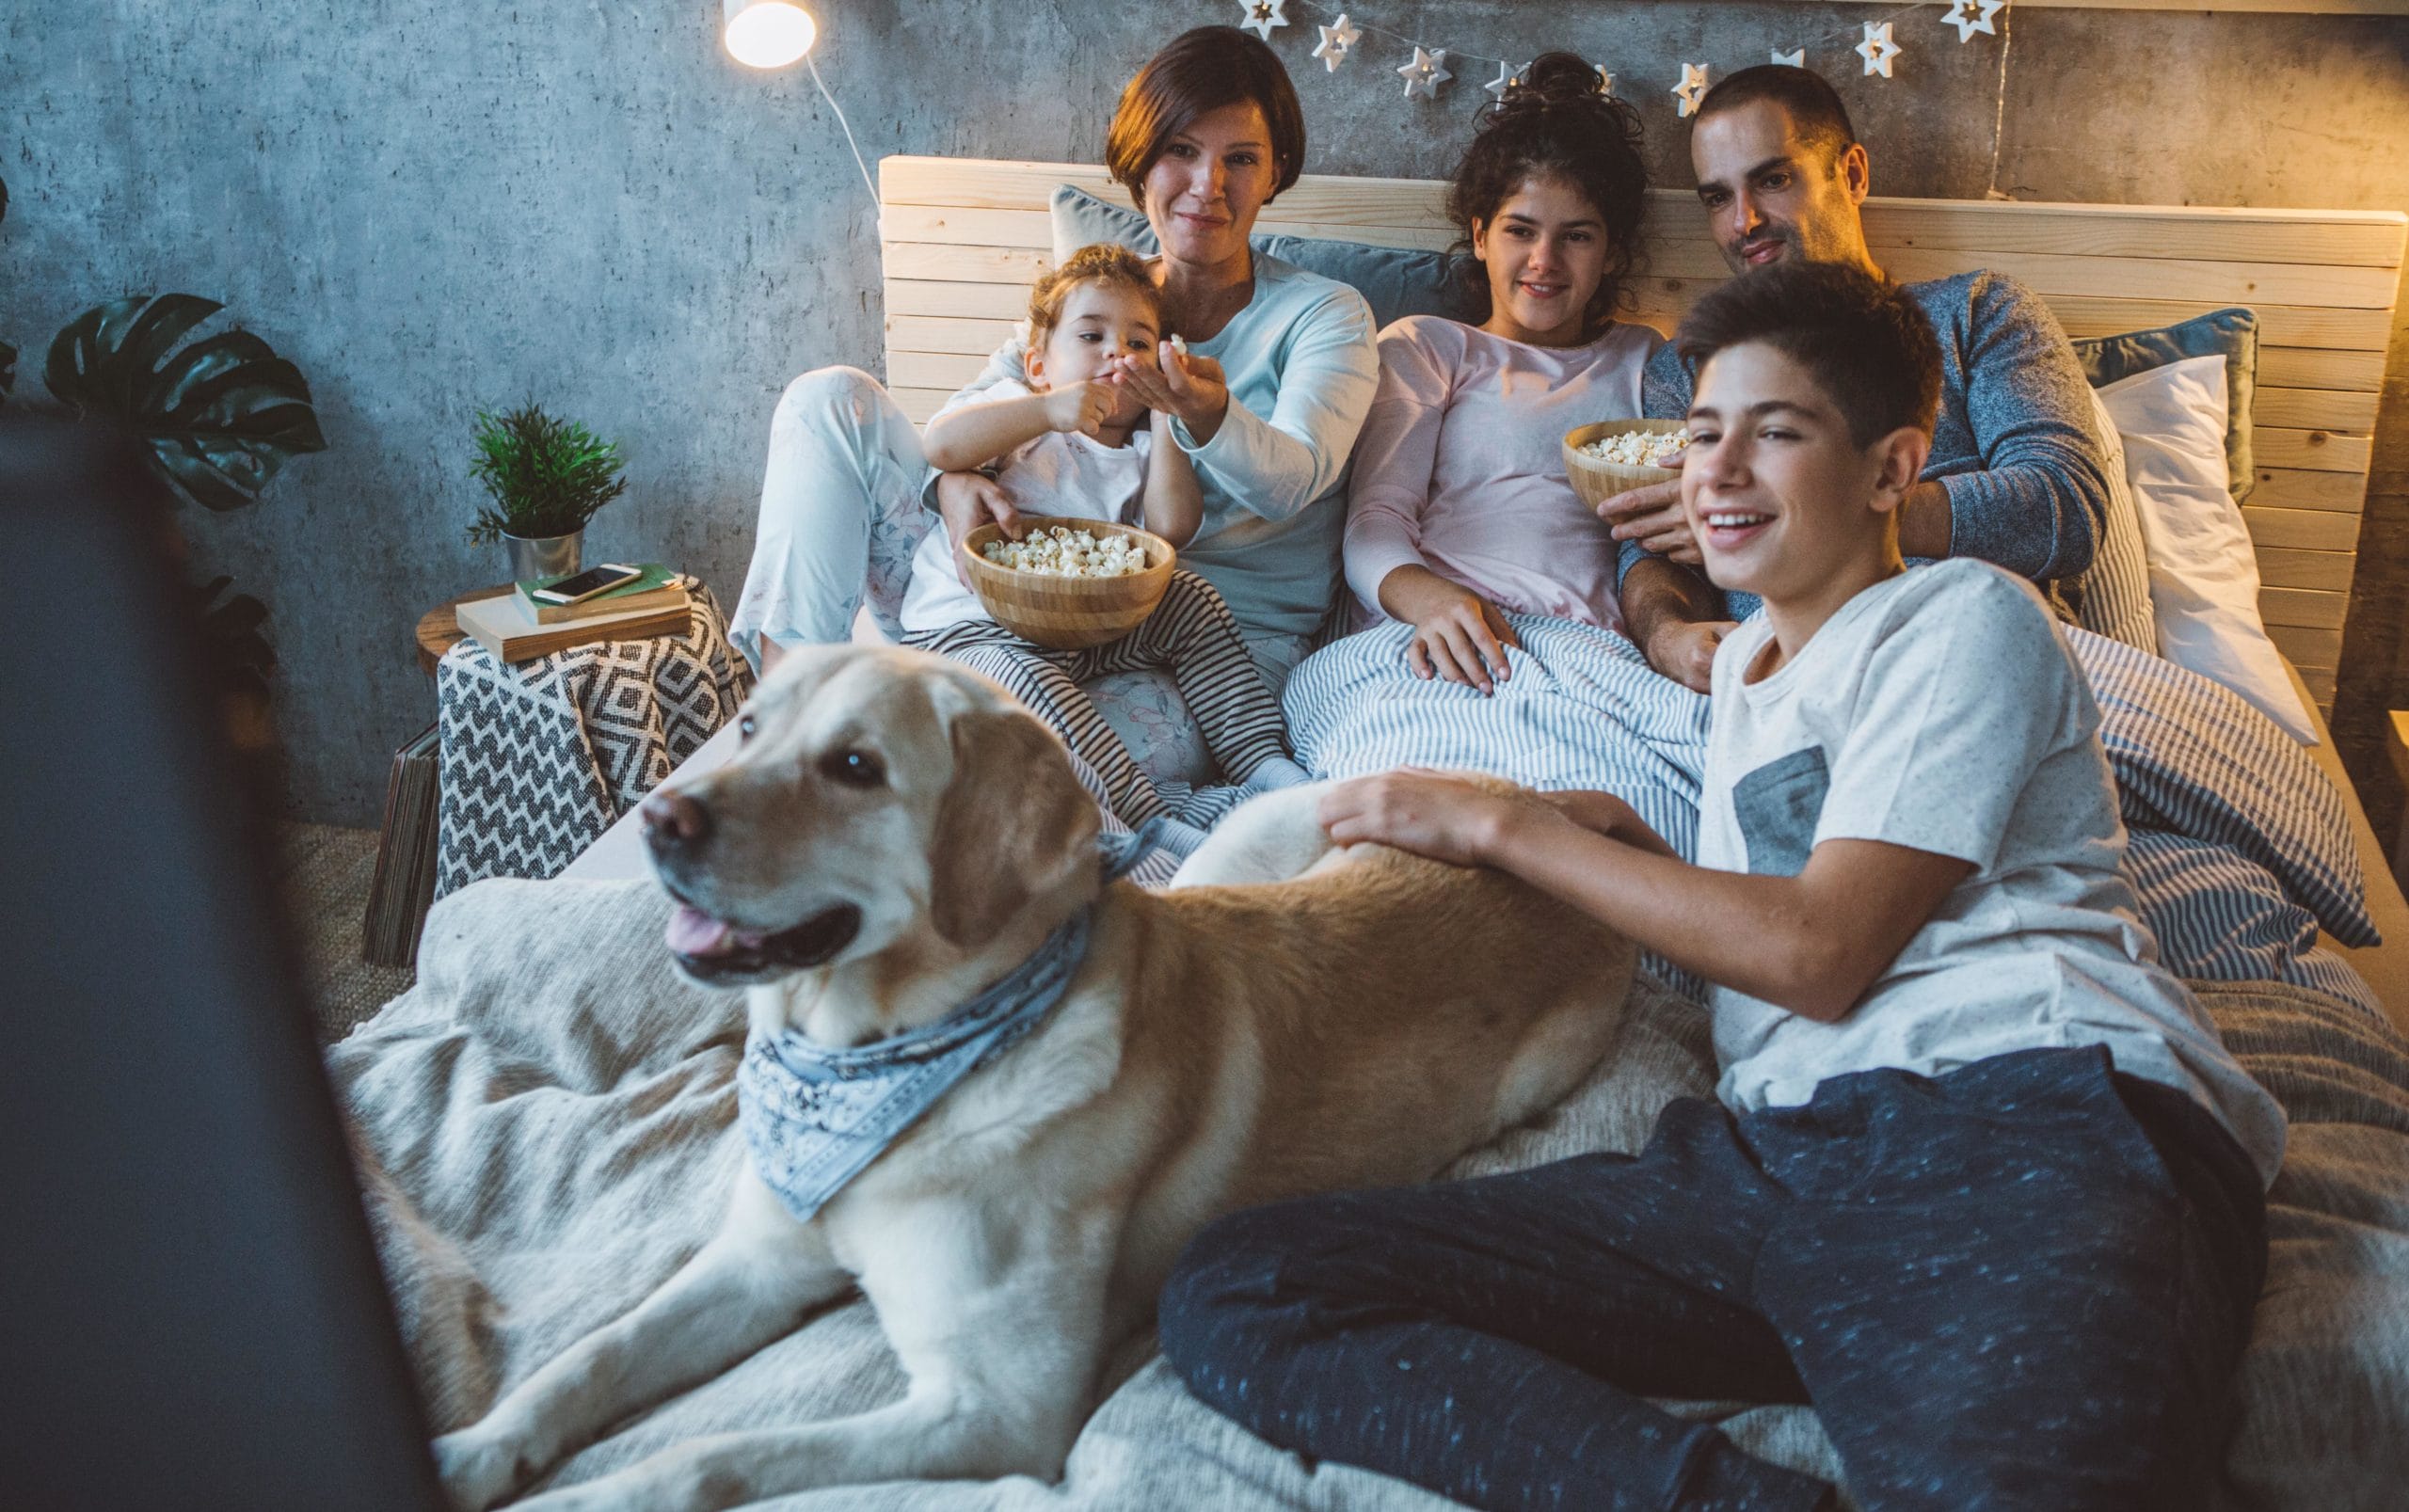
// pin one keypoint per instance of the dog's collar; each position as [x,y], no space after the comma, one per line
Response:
[815,1117]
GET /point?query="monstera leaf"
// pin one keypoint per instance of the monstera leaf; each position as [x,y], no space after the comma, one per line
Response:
[221,415]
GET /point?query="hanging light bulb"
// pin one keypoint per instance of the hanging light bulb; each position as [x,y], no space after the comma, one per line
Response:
[767,34]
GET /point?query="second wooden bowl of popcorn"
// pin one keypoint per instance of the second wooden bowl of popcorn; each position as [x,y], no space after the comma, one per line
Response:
[1618,455]
[1079,582]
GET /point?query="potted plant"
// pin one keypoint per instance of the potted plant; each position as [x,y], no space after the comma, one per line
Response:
[546,477]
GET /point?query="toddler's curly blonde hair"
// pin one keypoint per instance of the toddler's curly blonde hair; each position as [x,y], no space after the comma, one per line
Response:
[1103,262]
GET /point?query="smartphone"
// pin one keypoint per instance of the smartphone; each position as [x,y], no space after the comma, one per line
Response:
[587,584]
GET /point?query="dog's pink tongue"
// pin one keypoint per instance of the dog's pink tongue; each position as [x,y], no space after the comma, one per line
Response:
[693,933]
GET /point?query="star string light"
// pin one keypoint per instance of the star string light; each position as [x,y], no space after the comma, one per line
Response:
[1337,42]
[1262,15]
[1427,70]
[1692,88]
[1971,16]
[1605,81]
[1796,58]
[1878,49]
[1507,76]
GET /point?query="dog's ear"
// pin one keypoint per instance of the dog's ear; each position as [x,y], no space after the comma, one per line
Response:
[1012,822]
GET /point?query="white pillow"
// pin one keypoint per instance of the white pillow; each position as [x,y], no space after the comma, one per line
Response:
[2202,576]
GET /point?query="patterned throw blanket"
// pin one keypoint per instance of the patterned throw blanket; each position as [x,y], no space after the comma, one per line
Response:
[2240,847]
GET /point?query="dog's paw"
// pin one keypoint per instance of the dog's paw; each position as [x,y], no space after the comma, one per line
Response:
[478,1468]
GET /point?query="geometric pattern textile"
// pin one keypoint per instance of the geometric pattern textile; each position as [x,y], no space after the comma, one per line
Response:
[540,757]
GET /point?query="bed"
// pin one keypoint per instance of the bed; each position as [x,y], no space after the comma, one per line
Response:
[545,1120]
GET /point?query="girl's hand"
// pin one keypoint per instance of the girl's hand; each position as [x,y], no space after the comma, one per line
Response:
[1429,813]
[1191,388]
[967,501]
[1462,638]
[1082,406]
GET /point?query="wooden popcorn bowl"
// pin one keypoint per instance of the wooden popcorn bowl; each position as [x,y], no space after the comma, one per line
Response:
[1597,480]
[1068,613]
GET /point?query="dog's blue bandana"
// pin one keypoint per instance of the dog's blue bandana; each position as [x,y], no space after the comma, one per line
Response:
[815,1117]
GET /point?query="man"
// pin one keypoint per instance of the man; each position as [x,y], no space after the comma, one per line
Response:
[2018,474]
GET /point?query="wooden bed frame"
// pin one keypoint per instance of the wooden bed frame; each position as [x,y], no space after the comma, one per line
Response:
[963,237]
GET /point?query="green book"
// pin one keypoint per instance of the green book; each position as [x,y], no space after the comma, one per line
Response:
[658,587]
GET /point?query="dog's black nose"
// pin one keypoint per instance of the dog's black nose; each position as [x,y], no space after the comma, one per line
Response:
[674,822]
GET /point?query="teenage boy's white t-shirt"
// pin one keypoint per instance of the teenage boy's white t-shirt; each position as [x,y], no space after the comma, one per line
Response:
[1940,709]
[1073,475]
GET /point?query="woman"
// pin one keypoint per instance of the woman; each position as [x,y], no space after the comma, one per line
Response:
[1460,511]
[1265,400]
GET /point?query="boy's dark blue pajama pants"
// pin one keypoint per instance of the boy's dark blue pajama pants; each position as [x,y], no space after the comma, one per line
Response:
[2021,1284]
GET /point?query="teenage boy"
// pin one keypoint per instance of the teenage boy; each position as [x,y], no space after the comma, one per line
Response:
[2019,471]
[1980,1182]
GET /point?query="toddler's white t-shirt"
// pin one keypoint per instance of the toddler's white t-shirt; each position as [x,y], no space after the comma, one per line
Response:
[1941,711]
[1072,475]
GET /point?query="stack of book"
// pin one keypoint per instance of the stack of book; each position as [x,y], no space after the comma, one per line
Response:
[515,627]
[404,887]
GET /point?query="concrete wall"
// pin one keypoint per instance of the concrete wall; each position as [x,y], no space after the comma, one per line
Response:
[433,207]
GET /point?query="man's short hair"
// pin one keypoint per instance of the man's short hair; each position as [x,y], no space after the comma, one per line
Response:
[1815,110]
[1864,338]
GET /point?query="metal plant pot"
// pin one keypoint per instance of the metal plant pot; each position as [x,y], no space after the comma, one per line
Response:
[544,556]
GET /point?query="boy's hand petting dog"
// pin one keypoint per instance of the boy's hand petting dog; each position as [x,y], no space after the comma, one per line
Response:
[1652,514]
[1082,407]
[1433,814]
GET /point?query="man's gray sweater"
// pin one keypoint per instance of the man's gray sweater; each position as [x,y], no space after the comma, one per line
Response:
[2015,443]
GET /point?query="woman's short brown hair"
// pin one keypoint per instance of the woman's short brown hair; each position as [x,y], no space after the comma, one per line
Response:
[1201,71]
[1115,268]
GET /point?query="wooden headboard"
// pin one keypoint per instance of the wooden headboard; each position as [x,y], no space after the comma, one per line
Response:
[963,237]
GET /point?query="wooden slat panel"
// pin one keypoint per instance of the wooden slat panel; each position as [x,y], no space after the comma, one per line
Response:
[979,301]
[2354,238]
[933,333]
[2099,277]
[2319,683]
[2307,367]
[959,227]
[919,404]
[947,371]
[1662,300]
[2329,571]
[2300,606]
[2290,489]
[988,183]
[1016,265]
[2313,409]
[2301,530]
[2307,648]
[2318,451]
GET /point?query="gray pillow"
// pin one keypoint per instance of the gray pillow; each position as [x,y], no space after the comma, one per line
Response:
[1394,281]
[2232,334]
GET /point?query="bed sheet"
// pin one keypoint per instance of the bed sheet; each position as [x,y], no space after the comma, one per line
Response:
[544,1128]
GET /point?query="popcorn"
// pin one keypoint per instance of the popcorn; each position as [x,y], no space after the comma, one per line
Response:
[1063,552]
[1639,449]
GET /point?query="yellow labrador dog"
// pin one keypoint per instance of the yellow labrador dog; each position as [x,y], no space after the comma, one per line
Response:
[896,834]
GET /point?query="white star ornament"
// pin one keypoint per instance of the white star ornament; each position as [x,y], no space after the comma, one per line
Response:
[1336,42]
[1692,88]
[1427,70]
[1878,49]
[1262,15]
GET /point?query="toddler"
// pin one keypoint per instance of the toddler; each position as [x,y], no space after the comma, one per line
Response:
[1075,442]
